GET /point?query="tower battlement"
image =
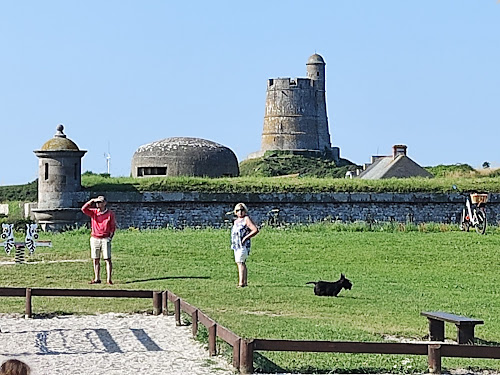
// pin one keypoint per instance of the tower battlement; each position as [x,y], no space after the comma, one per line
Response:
[290,83]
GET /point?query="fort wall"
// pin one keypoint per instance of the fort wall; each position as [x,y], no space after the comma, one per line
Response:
[194,209]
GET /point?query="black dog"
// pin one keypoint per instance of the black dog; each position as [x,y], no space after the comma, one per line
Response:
[331,289]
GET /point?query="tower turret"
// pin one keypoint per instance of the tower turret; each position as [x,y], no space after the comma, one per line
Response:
[59,178]
[316,72]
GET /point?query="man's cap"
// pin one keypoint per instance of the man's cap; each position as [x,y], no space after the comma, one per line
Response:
[100,198]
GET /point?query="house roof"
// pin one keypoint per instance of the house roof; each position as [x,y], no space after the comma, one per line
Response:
[399,167]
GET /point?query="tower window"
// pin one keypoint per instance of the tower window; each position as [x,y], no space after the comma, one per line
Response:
[317,74]
[46,171]
[75,174]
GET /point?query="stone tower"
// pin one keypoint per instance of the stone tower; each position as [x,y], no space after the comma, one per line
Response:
[295,118]
[316,73]
[59,178]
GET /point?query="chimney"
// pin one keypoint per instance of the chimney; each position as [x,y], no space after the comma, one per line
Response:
[398,150]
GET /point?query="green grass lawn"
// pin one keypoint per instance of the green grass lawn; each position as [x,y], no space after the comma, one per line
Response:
[395,276]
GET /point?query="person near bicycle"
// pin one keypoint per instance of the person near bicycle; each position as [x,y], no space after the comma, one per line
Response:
[243,229]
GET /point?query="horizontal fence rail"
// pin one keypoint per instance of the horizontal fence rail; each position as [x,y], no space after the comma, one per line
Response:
[243,349]
[48,292]
[340,347]
[28,293]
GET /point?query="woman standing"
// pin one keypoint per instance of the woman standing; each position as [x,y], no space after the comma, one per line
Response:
[243,229]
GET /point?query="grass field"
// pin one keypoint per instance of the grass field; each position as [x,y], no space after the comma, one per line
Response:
[395,276]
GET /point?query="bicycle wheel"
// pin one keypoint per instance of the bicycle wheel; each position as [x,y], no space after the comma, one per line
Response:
[481,221]
[464,223]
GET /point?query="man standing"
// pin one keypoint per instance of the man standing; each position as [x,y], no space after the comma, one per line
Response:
[103,229]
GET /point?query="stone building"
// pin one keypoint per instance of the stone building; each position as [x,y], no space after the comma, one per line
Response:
[59,178]
[182,156]
[295,116]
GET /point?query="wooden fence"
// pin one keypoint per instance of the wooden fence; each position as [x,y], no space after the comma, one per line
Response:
[243,349]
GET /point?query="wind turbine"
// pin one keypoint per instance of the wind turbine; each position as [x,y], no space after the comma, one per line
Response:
[107,156]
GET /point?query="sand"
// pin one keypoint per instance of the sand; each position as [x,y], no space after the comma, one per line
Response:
[111,344]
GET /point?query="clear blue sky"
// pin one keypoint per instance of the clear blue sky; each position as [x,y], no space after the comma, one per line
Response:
[120,74]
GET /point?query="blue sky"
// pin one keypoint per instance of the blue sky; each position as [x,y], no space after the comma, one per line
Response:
[120,74]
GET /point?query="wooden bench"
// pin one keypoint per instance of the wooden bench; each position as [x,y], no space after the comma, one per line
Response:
[465,326]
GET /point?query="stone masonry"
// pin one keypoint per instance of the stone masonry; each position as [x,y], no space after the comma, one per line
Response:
[193,209]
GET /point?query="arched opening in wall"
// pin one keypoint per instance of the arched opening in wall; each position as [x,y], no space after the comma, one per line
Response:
[46,171]
[151,171]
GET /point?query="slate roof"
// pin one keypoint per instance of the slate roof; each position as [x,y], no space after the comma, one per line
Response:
[399,167]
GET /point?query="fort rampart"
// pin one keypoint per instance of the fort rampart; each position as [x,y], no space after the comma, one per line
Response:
[194,209]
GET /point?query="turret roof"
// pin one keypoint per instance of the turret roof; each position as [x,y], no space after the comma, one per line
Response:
[60,142]
[315,59]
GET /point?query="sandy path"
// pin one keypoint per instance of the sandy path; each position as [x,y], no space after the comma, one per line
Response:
[108,344]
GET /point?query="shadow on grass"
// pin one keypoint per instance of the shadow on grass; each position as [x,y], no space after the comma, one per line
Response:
[166,278]
[263,365]
[478,341]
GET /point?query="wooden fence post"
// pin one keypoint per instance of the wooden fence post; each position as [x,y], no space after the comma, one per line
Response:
[28,311]
[156,303]
[236,354]
[164,302]
[212,339]
[194,319]
[177,310]
[246,356]
[434,358]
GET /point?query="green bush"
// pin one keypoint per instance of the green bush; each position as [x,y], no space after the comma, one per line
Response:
[25,193]
[453,170]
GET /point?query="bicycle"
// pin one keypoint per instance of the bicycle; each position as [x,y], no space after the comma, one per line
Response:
[474,212]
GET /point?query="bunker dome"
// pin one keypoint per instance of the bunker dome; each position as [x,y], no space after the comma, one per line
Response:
[183,156]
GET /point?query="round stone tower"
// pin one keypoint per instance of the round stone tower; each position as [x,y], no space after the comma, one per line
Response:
[59,178]
[295,117]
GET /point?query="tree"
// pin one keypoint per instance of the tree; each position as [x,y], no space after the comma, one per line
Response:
[486,165]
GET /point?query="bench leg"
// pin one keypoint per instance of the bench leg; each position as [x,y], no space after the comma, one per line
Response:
[465,334]
[436,330]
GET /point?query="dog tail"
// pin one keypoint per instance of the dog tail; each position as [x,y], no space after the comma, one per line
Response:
[312,282]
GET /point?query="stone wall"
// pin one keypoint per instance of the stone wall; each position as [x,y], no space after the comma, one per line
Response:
[160,209]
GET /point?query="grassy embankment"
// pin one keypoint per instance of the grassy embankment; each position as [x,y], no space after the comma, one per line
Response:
[396,271]
[292,184]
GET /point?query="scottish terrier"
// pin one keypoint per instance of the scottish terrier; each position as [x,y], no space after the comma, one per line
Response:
[331,289]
